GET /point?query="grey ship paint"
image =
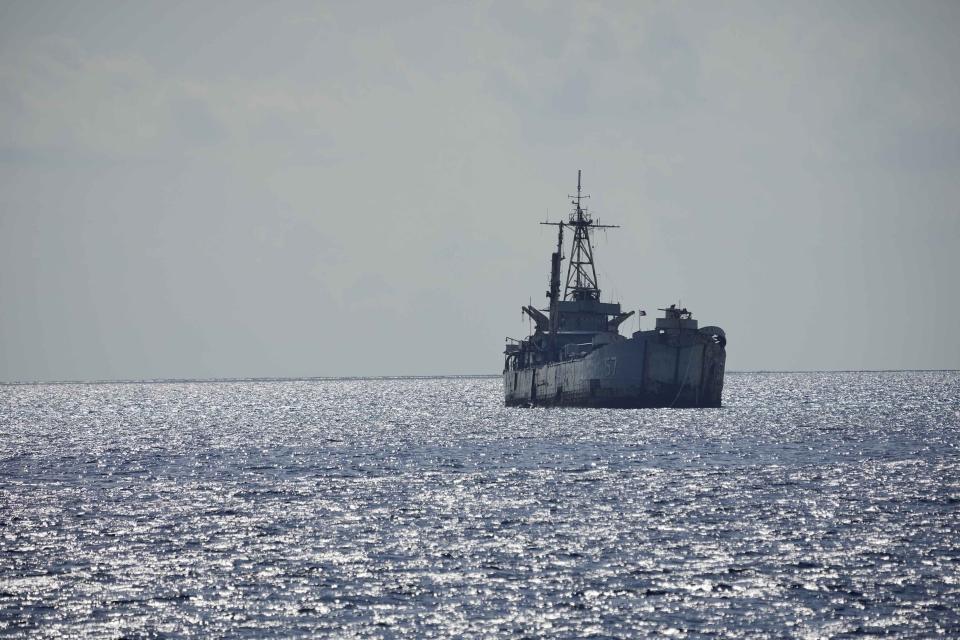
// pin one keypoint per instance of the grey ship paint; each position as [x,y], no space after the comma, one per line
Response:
[576,356]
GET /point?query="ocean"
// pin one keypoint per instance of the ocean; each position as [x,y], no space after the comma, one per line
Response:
[811,505]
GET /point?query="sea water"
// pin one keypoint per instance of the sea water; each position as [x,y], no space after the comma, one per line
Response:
[810,505]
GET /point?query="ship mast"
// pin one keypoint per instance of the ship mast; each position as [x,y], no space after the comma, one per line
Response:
[581,271]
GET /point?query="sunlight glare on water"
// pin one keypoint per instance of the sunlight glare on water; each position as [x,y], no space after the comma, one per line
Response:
[811,505]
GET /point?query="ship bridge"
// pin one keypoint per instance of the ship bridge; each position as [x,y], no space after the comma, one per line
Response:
[584,315]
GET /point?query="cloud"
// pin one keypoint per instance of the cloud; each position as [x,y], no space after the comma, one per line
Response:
[331,184]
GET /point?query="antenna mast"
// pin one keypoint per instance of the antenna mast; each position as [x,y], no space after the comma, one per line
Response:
[581,271]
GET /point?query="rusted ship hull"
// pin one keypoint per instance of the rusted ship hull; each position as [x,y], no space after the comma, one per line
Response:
[576,357]
[649,370]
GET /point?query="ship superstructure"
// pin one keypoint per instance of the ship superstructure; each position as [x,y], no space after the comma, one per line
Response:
[576,355]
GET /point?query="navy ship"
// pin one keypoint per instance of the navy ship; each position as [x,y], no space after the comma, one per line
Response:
[576,356]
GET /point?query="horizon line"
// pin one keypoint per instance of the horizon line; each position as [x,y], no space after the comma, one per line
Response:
[404,377]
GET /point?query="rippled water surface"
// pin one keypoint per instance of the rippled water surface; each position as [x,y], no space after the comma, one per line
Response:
[811,505]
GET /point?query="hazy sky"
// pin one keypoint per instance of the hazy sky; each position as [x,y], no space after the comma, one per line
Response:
[299,189]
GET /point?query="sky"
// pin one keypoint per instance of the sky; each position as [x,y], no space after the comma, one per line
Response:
[249,189]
